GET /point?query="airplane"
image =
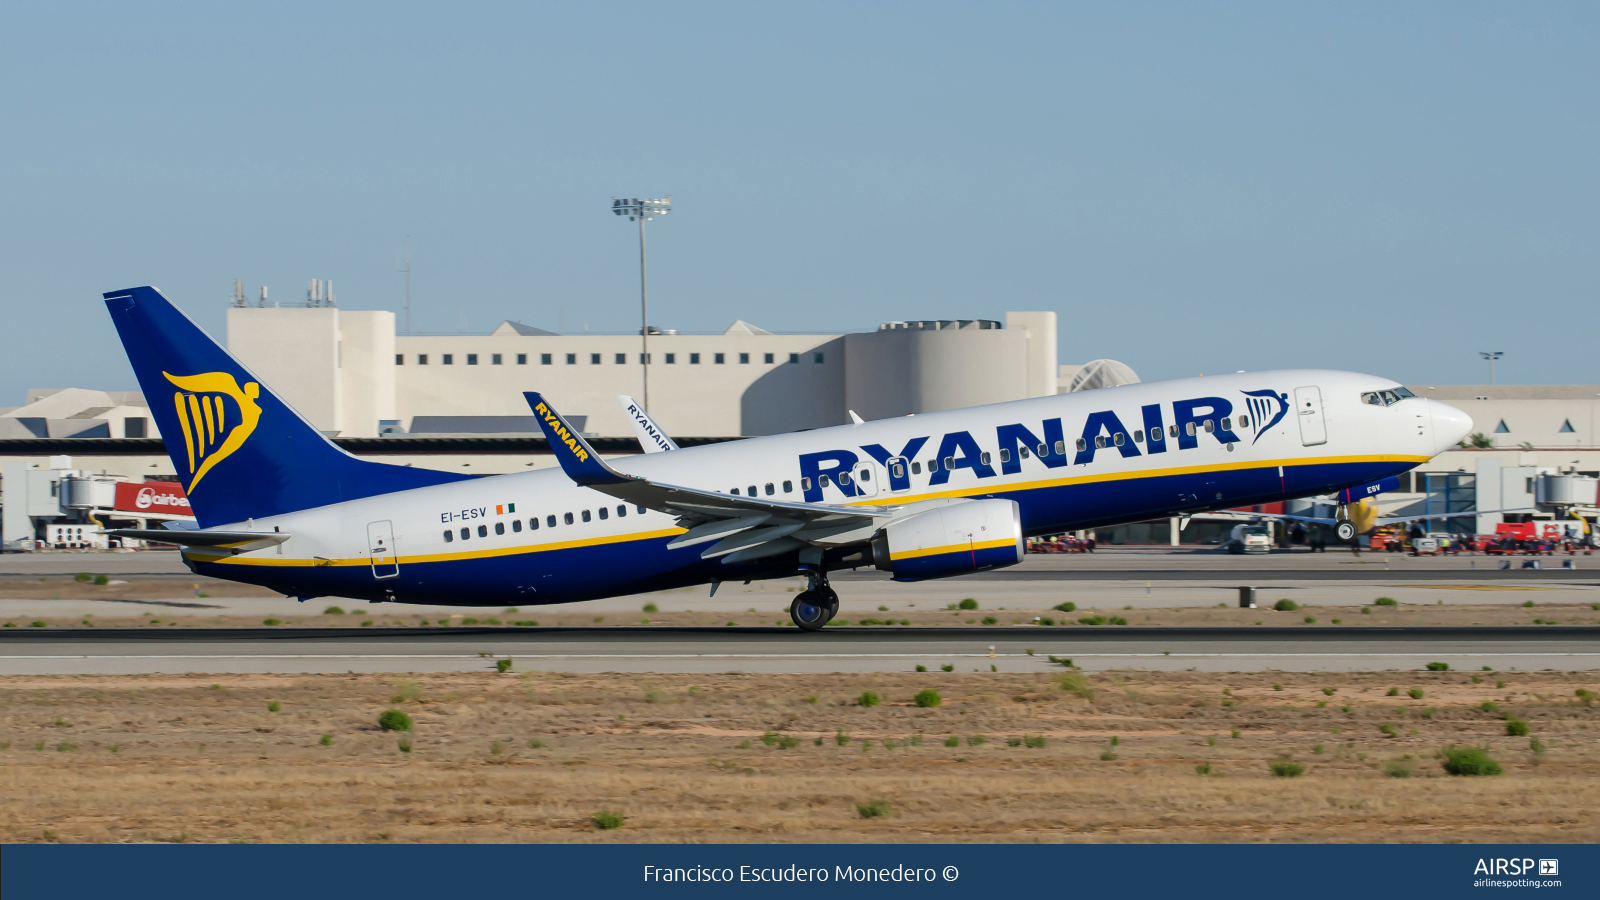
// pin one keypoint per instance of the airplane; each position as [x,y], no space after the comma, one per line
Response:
[925,496]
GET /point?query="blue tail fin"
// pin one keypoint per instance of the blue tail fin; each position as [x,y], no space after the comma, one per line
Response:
[241,452]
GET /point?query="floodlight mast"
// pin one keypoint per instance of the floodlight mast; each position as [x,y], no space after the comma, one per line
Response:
[643,211]
[1491,356]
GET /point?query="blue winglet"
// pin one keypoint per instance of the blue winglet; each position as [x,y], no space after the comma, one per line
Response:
[577,458]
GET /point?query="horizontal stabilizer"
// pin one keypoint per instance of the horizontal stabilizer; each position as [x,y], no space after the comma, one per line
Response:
[227,541]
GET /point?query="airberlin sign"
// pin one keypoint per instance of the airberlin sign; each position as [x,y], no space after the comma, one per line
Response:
[152,497]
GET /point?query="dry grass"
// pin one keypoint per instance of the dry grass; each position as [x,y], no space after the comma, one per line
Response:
[684,758]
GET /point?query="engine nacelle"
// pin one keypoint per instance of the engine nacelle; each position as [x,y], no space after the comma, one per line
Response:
[951,540]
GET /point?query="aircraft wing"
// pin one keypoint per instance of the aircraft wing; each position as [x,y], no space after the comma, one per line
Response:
[650,435]
[743,527]
[232,542]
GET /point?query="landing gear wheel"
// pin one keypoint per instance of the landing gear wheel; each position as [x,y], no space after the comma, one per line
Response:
[829,599]
[809,611]
[1346,531]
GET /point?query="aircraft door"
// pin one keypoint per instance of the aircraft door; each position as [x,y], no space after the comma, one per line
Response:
[1308,409]
[380,544]
[899,474]
[866,478]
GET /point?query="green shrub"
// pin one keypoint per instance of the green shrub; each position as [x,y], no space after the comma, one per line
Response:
[1286,768]
[990,620]
[1393,692]
[326,740]
[1068,606]
[81,577]
[1034,741]
[404,744]
[606,821]
[271,622]
[785,742]
[928,698]
[1516,728]
[977,740]
[1438,667]
[1286,605]
[1388,729]
[968,603]
[1469,761]
[1395,768]
[535,744]
[502,666]
[1311,620]
[651,608]
[394,720]
[1587,696]
[1277,687]
[1536,745]
[1527,604]
[1046,620]
[469,620]
[1329,691]
[922,668]
[333,611]
[947,668]
[1075,684]
[1489,706]
[952,741]
[1416,693]
[1092,620]
[1117,620]
[1385,601]
[274,706]
[1203,768]
[1114,740]
[867,698]
[873,810]
[1107,755]
[841,738]
[1060,661]
[102,580]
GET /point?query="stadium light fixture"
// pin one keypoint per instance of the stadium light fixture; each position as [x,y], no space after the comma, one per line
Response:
[643,211]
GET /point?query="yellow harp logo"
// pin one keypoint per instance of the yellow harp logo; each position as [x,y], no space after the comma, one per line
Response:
[211,431]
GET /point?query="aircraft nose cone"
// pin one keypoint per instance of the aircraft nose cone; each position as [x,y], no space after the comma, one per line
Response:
[1450,425]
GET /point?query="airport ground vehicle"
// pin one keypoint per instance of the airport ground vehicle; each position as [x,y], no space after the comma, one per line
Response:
[920,497]
[1249,539]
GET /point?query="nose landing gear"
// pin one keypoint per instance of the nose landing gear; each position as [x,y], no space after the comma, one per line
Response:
[815,606]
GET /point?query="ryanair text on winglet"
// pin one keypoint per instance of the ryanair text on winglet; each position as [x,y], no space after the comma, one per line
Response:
[561,431]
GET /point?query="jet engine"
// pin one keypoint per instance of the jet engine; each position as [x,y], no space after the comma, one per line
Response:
[951,540]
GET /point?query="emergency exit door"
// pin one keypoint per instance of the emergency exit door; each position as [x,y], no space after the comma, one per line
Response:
[380,544]
[1308,409]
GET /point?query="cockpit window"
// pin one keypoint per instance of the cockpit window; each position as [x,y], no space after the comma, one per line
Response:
[1386,398]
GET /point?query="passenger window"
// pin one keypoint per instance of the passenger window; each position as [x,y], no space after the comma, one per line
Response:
[1119,439]
[1138,435]
[751,491]
[1210,426]
[466,533]
[449,536]
[586,515]
[949,463]
[1082,445]
[1155,435]
[844,479]
[533,523]
[567,517]
[1061,448]
[805,484]
[788,487]
[622,510]
[1099,441]
[984,457]
[483,531]
[499,528]
[551,520]
[605,513]
[1189,428]
[734,492]
[1244,421]
[916,468]
[1227,424]
[1022,453]
[933,466]
[770,489]
[898,470]
[1045,451]
[641,510]
[822,481]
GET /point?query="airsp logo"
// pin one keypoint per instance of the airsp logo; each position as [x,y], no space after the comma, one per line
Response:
[1549,867]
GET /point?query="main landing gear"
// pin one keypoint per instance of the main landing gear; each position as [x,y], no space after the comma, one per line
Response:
[1345,529]
[816,605]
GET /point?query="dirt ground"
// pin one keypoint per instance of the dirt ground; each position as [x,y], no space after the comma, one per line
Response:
[729,758]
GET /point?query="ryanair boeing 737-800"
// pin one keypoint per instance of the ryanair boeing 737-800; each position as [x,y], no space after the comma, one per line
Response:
[924,496]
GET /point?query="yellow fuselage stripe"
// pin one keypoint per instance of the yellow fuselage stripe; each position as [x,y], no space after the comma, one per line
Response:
[895,499]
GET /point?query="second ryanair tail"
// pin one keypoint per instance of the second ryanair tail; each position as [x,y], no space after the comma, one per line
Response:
[241,452]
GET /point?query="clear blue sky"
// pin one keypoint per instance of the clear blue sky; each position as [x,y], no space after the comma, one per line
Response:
[1192,187]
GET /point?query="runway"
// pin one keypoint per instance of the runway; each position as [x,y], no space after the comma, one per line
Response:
[785,650]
